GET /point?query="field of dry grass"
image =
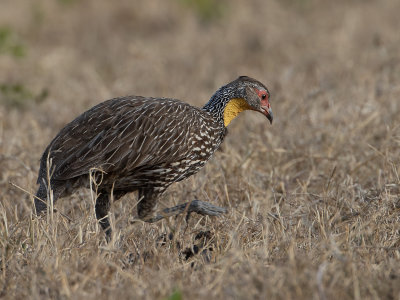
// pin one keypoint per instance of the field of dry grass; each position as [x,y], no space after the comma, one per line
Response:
[314,200]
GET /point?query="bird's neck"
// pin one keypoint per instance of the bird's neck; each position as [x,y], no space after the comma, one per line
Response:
[225,105]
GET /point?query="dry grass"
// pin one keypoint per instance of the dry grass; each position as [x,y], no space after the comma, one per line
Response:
[313,201]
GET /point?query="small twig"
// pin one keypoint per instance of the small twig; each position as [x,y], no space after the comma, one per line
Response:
[330,178]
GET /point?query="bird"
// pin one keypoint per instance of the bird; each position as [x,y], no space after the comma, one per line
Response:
[143,144]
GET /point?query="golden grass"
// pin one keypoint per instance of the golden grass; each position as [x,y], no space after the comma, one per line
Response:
[314,200]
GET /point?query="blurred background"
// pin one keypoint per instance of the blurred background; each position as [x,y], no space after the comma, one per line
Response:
[333,70]
[335,61]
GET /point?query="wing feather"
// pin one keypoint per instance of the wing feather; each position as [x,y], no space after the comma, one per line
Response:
[121,135]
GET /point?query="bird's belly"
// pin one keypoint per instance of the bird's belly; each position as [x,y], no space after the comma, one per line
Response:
[160,176]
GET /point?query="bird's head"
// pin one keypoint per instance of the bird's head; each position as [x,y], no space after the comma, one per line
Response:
[242,94]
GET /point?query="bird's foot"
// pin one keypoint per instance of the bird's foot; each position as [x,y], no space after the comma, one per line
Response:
[197,206]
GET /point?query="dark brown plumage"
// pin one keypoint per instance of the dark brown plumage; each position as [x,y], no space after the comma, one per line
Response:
[145,144]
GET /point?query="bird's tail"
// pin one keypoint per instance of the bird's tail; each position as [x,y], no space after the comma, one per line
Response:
[40,200]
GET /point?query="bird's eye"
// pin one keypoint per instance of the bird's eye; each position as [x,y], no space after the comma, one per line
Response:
[264,96]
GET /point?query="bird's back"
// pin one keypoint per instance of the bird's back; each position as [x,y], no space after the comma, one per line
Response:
[133,140]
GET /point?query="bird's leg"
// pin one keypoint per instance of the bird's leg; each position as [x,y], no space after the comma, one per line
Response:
[147,204]
[197,206]
[102,207]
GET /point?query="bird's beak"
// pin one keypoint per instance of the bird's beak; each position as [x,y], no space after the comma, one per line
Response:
[267,111]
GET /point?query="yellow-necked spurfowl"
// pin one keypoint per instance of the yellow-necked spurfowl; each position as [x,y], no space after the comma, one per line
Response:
[143,144]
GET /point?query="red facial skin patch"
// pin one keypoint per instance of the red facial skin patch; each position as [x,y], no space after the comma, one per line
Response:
[265,101]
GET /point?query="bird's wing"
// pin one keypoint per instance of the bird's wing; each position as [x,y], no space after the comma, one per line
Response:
[121,135]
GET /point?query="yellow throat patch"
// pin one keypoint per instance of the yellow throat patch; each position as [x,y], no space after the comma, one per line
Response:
[233,108]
